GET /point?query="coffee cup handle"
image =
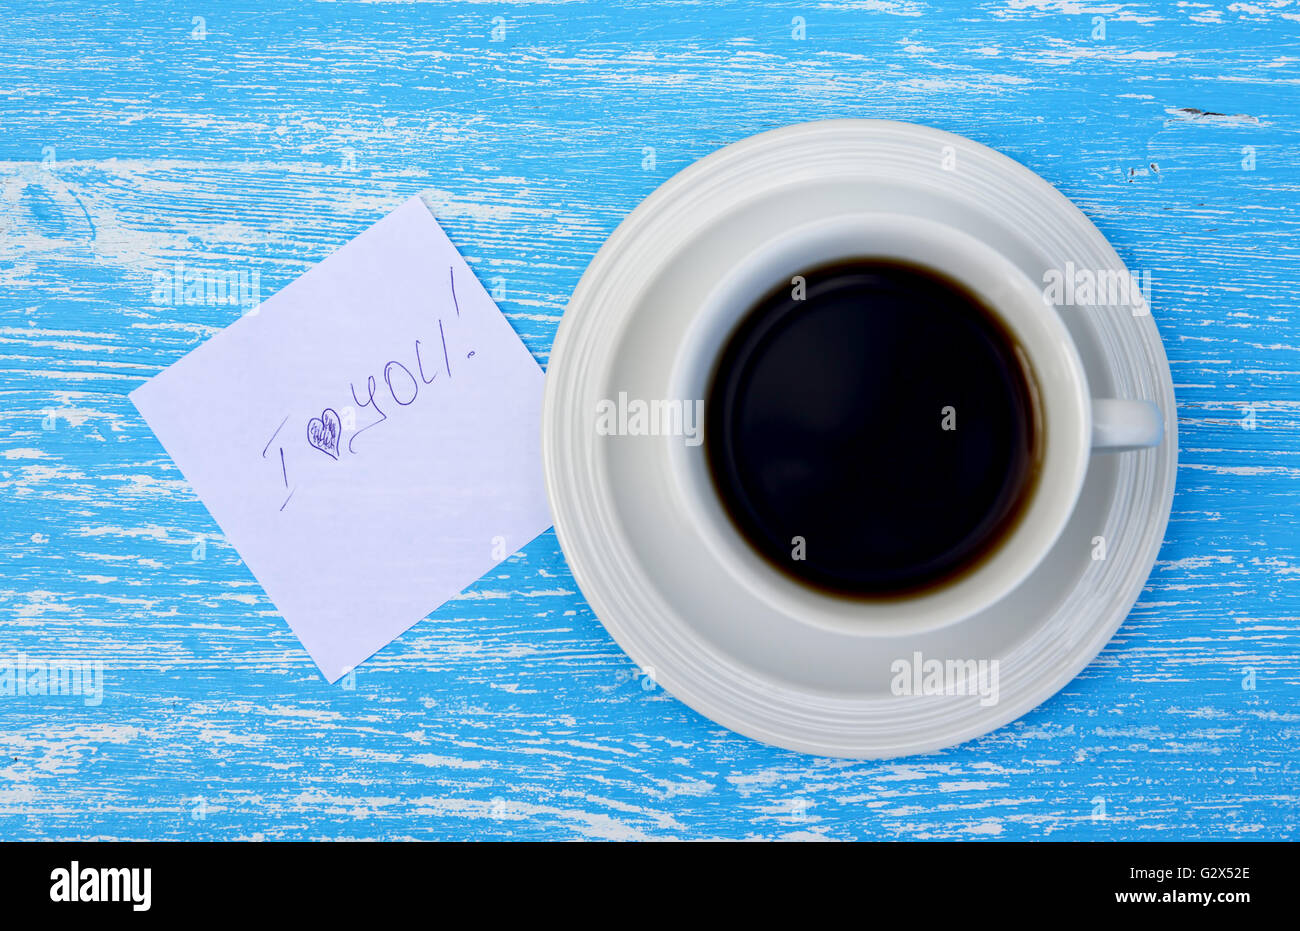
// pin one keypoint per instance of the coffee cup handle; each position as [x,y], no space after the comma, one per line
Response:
[1119,425]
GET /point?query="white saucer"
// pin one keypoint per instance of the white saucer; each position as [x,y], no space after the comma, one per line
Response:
[620,518]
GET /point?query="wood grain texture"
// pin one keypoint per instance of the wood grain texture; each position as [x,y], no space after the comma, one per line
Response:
[132,140]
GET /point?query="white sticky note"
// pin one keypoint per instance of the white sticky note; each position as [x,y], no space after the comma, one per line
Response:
[368,440]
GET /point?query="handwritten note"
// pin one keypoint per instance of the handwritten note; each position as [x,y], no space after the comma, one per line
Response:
[368,440]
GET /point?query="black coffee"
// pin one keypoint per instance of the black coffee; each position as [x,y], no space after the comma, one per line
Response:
[877,437]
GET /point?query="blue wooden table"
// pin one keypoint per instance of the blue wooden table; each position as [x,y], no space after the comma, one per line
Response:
[239,139]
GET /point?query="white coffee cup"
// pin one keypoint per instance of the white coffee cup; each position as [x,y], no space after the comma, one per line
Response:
[1073,424]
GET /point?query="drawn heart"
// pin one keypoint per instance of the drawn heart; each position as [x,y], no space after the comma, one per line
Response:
[323,432]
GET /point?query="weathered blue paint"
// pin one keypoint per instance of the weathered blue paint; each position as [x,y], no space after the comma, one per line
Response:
[134,140]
